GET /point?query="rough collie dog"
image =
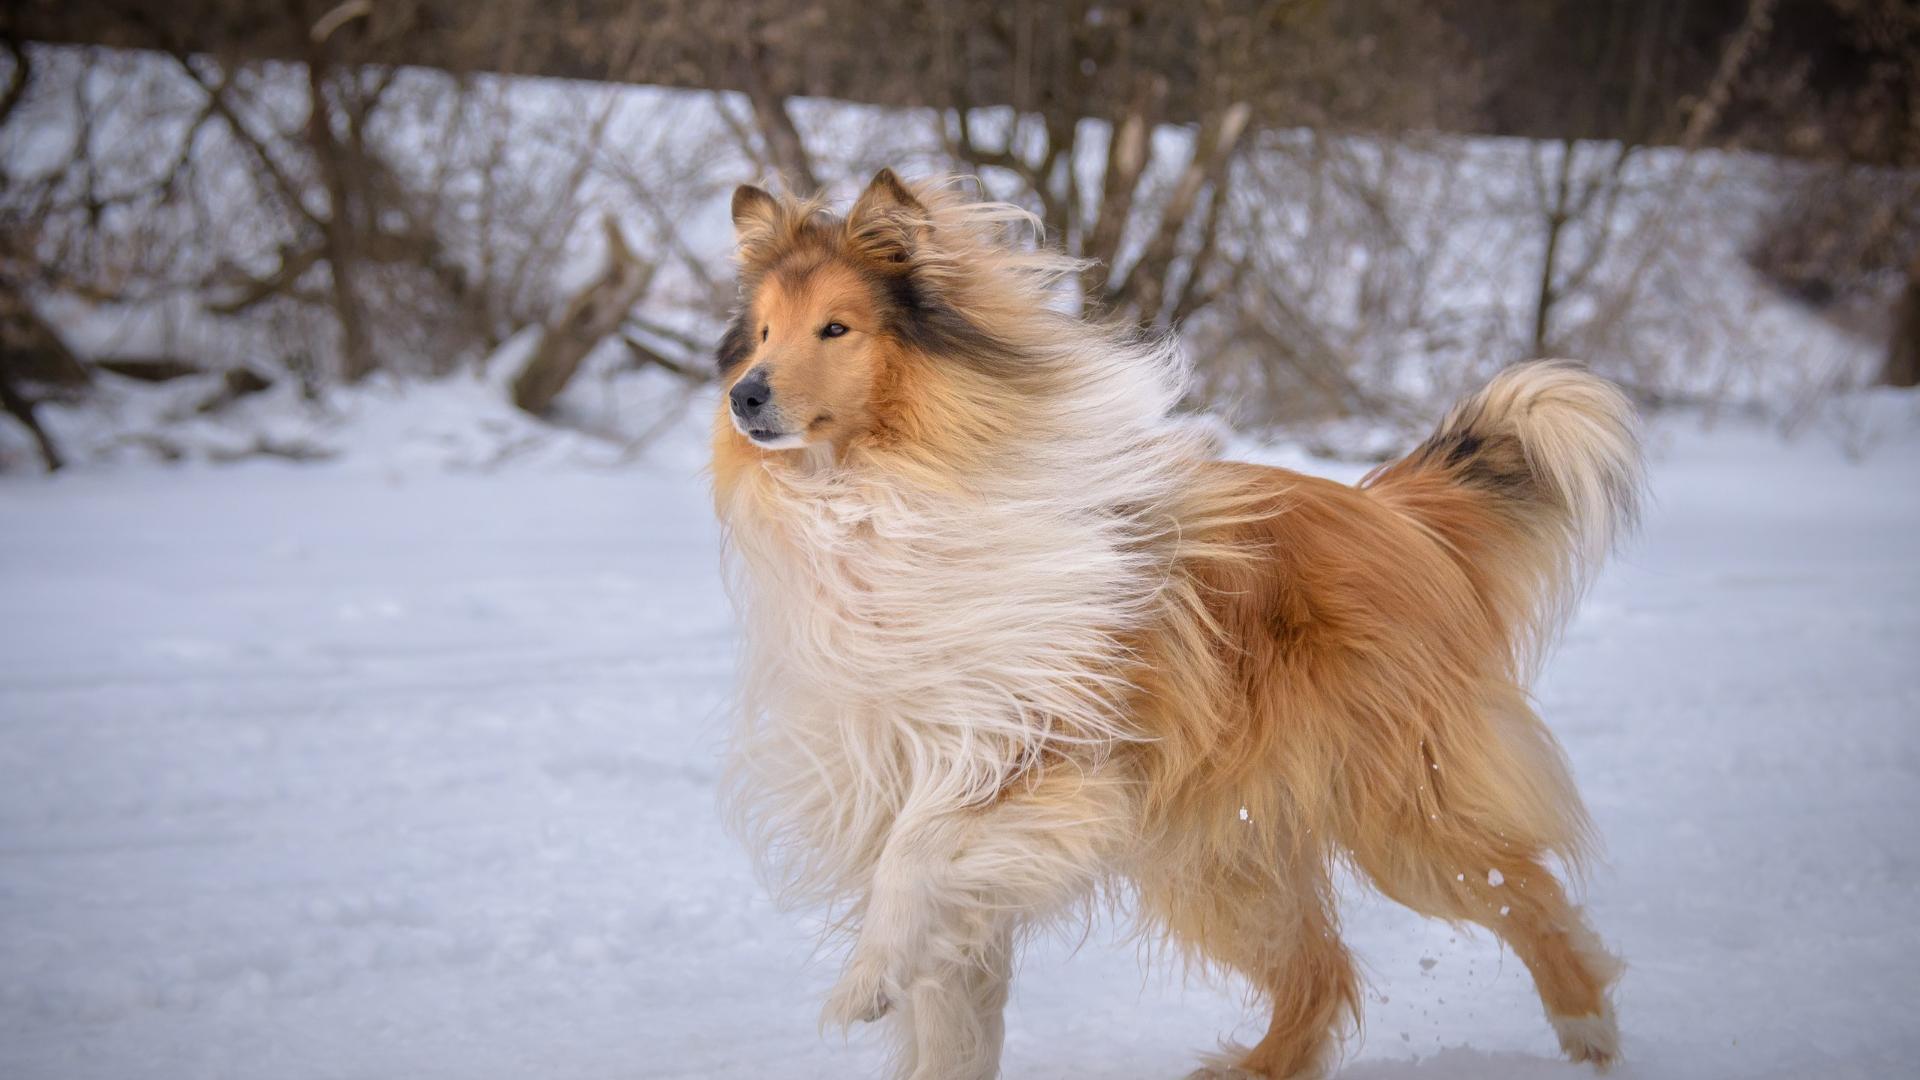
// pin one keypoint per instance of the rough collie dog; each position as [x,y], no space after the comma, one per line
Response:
[1016,638]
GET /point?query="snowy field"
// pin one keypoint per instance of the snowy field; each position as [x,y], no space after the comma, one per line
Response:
[381,771]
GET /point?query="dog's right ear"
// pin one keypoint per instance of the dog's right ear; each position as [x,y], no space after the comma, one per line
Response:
[754,214]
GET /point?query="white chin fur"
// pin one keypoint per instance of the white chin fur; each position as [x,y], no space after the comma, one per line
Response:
[790,441]
[784,442]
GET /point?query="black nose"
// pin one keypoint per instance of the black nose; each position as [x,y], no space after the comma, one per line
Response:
[751,394]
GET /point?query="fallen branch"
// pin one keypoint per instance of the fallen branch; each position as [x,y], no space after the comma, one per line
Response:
[644,354]
[594,313]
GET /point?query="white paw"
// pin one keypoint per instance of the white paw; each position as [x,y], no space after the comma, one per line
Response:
[860,997]
[1594,1039]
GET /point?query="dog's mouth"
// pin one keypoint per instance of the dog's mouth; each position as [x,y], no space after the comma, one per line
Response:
[770,438]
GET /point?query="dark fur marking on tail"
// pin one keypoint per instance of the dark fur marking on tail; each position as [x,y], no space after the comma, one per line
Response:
[1496,463]
[1465,445]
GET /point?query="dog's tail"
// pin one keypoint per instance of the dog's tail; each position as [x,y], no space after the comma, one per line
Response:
[1530,483]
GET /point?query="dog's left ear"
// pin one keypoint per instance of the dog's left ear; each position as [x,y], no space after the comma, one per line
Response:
[887,223]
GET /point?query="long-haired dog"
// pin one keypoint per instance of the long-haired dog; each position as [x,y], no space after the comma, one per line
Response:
[1015,638]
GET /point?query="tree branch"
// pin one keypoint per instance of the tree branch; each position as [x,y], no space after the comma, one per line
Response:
[644,354]
[782,138]
[1144,286]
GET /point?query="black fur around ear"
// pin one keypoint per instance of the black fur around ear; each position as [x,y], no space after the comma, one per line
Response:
[735,345]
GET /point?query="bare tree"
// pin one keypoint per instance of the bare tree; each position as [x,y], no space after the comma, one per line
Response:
[406,220]
[349,188]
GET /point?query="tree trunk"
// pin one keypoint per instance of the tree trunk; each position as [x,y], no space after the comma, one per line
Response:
[1145,286]
[593,314]
[785,147]
[21,409]
[341,229]
[32,352]
[1903,350]
[1557,216]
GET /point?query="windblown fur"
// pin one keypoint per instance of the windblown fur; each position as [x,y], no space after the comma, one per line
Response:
[1013,634]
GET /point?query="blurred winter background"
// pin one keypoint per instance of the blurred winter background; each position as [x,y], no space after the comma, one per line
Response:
[363,665]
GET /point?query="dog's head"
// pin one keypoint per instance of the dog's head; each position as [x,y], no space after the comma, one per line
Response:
[835,315]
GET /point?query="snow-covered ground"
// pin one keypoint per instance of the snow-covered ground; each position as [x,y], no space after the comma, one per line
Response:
[377,771]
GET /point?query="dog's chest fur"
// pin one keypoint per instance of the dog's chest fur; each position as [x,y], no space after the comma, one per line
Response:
[904,643]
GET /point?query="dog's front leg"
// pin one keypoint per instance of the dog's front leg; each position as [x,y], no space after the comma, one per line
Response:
[901,907]
[948,889]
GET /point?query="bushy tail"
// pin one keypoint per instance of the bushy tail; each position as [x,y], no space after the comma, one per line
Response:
[1531,482]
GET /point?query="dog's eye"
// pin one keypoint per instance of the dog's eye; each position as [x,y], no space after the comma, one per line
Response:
[832,329]
[763,333]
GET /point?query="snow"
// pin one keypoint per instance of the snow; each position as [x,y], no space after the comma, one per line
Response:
[463,421]
[374,768]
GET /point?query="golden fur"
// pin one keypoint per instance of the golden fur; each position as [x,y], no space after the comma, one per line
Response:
[1015,636]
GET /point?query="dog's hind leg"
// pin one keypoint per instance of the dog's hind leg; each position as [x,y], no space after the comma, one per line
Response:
[1467,840]
[1519,899]
[1280,932]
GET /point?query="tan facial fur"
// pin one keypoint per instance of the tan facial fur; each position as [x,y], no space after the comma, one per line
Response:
[822,386]
[824,304]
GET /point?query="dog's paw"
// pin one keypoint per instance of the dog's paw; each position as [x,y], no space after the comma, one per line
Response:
[860,997]
[1594,1039]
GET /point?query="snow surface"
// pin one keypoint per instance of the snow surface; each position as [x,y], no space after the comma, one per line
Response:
[373,769]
